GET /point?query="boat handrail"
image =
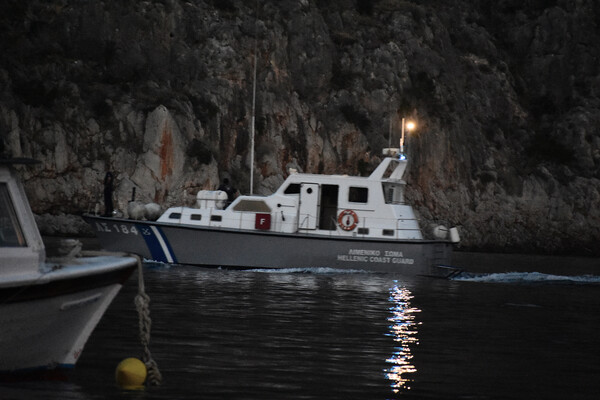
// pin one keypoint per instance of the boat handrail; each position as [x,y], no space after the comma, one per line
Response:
[394,230]
[337,230]
[302,223]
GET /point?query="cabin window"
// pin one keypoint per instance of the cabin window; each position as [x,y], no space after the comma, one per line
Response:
[293,188]
[216,218]
[363,231]
[388,232]
[196,217]
[252,205]
[175,216]
[11,234]
[358,194]
[393,193]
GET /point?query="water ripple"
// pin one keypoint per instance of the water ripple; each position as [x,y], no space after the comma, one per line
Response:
[528,278]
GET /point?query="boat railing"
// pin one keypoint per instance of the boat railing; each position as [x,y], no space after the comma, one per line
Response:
[378,227]
[337,231]
[370,227]
[302,223]
[367,226]
[217,220]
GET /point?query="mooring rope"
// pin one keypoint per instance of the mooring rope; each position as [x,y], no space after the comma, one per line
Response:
[142,305]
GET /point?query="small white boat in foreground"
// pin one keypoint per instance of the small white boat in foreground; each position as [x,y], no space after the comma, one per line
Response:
[311,221]
[48,308]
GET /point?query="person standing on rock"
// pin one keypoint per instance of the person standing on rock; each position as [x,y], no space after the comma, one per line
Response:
[108,191]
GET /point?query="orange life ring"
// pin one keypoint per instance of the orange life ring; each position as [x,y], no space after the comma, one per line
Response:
[347,220]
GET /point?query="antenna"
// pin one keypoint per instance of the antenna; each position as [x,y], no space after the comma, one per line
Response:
[390,131]
[253,104]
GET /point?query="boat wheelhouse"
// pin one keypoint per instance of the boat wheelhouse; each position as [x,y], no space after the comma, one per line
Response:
[324,205]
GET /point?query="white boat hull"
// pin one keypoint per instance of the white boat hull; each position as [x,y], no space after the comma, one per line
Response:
[44,325]
[48,307]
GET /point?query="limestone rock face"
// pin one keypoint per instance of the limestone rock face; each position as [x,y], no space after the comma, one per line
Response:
[506,95]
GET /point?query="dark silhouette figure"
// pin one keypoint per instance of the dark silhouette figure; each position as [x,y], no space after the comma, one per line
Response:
[108,191]
[227,188]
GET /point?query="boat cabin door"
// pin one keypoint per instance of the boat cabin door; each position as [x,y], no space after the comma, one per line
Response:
[309,206]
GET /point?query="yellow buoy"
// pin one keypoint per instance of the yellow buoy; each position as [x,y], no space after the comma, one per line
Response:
[131,374]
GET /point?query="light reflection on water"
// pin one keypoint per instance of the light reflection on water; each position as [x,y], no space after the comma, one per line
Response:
[404,332]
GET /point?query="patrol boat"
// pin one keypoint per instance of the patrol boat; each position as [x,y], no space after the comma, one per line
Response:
[311,221]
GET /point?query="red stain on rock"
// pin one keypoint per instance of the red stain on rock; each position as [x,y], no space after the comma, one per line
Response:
[166,152]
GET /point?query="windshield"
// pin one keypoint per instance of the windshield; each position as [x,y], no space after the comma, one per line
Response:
[11,234]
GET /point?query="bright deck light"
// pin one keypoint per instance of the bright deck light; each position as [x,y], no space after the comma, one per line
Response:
[409,126]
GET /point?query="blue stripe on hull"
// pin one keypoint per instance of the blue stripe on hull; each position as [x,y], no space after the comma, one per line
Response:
[157,243]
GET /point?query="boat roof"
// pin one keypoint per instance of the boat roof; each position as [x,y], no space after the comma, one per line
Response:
[397,165]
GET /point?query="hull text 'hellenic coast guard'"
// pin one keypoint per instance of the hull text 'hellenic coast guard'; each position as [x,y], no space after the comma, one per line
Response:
[311,221]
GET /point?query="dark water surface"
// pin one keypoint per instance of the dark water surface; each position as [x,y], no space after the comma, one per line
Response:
[323,334]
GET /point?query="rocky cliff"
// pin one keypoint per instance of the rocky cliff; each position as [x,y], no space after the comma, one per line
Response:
[506,95]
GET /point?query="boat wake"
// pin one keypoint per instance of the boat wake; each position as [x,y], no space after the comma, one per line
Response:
[317,271]
[151,264]
[528,278]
